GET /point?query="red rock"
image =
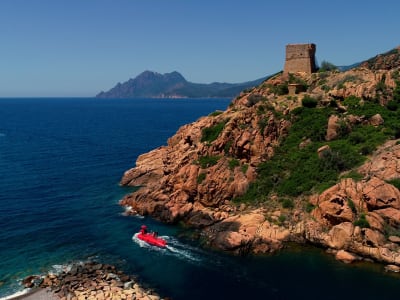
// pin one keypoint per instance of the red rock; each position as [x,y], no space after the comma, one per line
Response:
[345,256]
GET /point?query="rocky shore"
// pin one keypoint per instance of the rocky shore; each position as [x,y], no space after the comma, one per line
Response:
[89,281]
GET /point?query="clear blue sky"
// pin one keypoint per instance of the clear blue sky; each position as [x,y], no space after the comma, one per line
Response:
[80,47]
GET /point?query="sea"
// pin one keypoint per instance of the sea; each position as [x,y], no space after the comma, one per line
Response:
[61,160]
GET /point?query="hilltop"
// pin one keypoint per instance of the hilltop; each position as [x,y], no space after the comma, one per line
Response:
[303,157]
[173,85]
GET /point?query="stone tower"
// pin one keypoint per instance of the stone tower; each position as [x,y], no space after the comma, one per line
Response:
[300,58]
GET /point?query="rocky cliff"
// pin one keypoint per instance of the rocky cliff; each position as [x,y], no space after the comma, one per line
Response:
[210,169]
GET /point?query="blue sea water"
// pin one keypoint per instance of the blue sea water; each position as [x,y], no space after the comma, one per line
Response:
[60,164]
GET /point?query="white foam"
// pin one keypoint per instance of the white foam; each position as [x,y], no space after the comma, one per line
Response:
[17,294]
[173,247]
[129,211]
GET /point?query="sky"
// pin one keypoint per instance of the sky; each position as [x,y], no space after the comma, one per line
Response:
[77,48]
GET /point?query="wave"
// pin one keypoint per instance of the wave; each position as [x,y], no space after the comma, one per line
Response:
[174,247]
[16,294]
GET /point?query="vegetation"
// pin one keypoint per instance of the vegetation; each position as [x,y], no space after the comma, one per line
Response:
[208,161]
[254,98]
[352,205]
[280,89]
[353,175]
[327,66]
[233,163]
[201,177]
[309,102]
[293,171]
[395,182]
[287,203]
[299,81]
[362,222]
[210,134]
[215,113]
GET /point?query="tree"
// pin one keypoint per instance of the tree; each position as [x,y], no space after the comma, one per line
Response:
[327,66]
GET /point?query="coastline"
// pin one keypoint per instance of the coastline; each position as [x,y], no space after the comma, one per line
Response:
[33,294]
[89,280]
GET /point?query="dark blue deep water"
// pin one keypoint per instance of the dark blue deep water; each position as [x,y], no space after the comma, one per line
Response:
[60,164]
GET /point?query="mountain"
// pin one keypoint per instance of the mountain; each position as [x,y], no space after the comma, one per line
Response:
[318,166]
[173,85]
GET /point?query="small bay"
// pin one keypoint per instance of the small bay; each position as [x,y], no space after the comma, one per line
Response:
[60,165]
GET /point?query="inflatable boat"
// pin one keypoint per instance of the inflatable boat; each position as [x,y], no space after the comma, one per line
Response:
[151,237]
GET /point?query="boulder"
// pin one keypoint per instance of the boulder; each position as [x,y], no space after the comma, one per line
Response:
[376,120]
[333,128]
[346,257]
[392,268]
[340,235]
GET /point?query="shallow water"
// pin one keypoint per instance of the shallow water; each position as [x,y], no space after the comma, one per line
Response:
[60,164]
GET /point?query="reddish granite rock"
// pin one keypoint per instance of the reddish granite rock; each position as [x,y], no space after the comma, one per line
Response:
[345,256]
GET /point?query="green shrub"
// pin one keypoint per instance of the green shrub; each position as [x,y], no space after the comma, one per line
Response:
[233,163]
[353,175]
[282,218]
[325,88]
[245,167]
[254,98]
[210,134]
[287,203]
[280,89]
[208,161]
[362,222]
[309,102]
[356,138]
[395,182]
[352,205]
[396,92]
[327,66]
[392,105]
[309,207]
[352,102]
[215,113]
[201,177]
[227,147]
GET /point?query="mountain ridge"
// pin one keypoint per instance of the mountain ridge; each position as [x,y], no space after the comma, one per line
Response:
[150,84]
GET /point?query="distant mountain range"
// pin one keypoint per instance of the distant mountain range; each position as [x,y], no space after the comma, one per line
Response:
[173,85]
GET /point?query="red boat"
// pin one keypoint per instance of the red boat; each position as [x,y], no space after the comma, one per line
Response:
[151,237]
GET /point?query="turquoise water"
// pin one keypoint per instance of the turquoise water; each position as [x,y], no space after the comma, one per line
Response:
[60,164]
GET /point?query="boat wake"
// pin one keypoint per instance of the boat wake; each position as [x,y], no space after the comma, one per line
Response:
[174,247]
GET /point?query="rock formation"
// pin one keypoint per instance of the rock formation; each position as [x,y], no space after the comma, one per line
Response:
[92,280]
[212,161]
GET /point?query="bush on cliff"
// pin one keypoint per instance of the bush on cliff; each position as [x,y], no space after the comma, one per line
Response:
[293,171]
[210,134]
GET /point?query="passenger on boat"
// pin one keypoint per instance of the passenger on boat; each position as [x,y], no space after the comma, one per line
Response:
[143,229]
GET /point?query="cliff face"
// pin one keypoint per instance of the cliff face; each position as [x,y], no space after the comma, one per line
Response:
[212,161]
[195,176]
